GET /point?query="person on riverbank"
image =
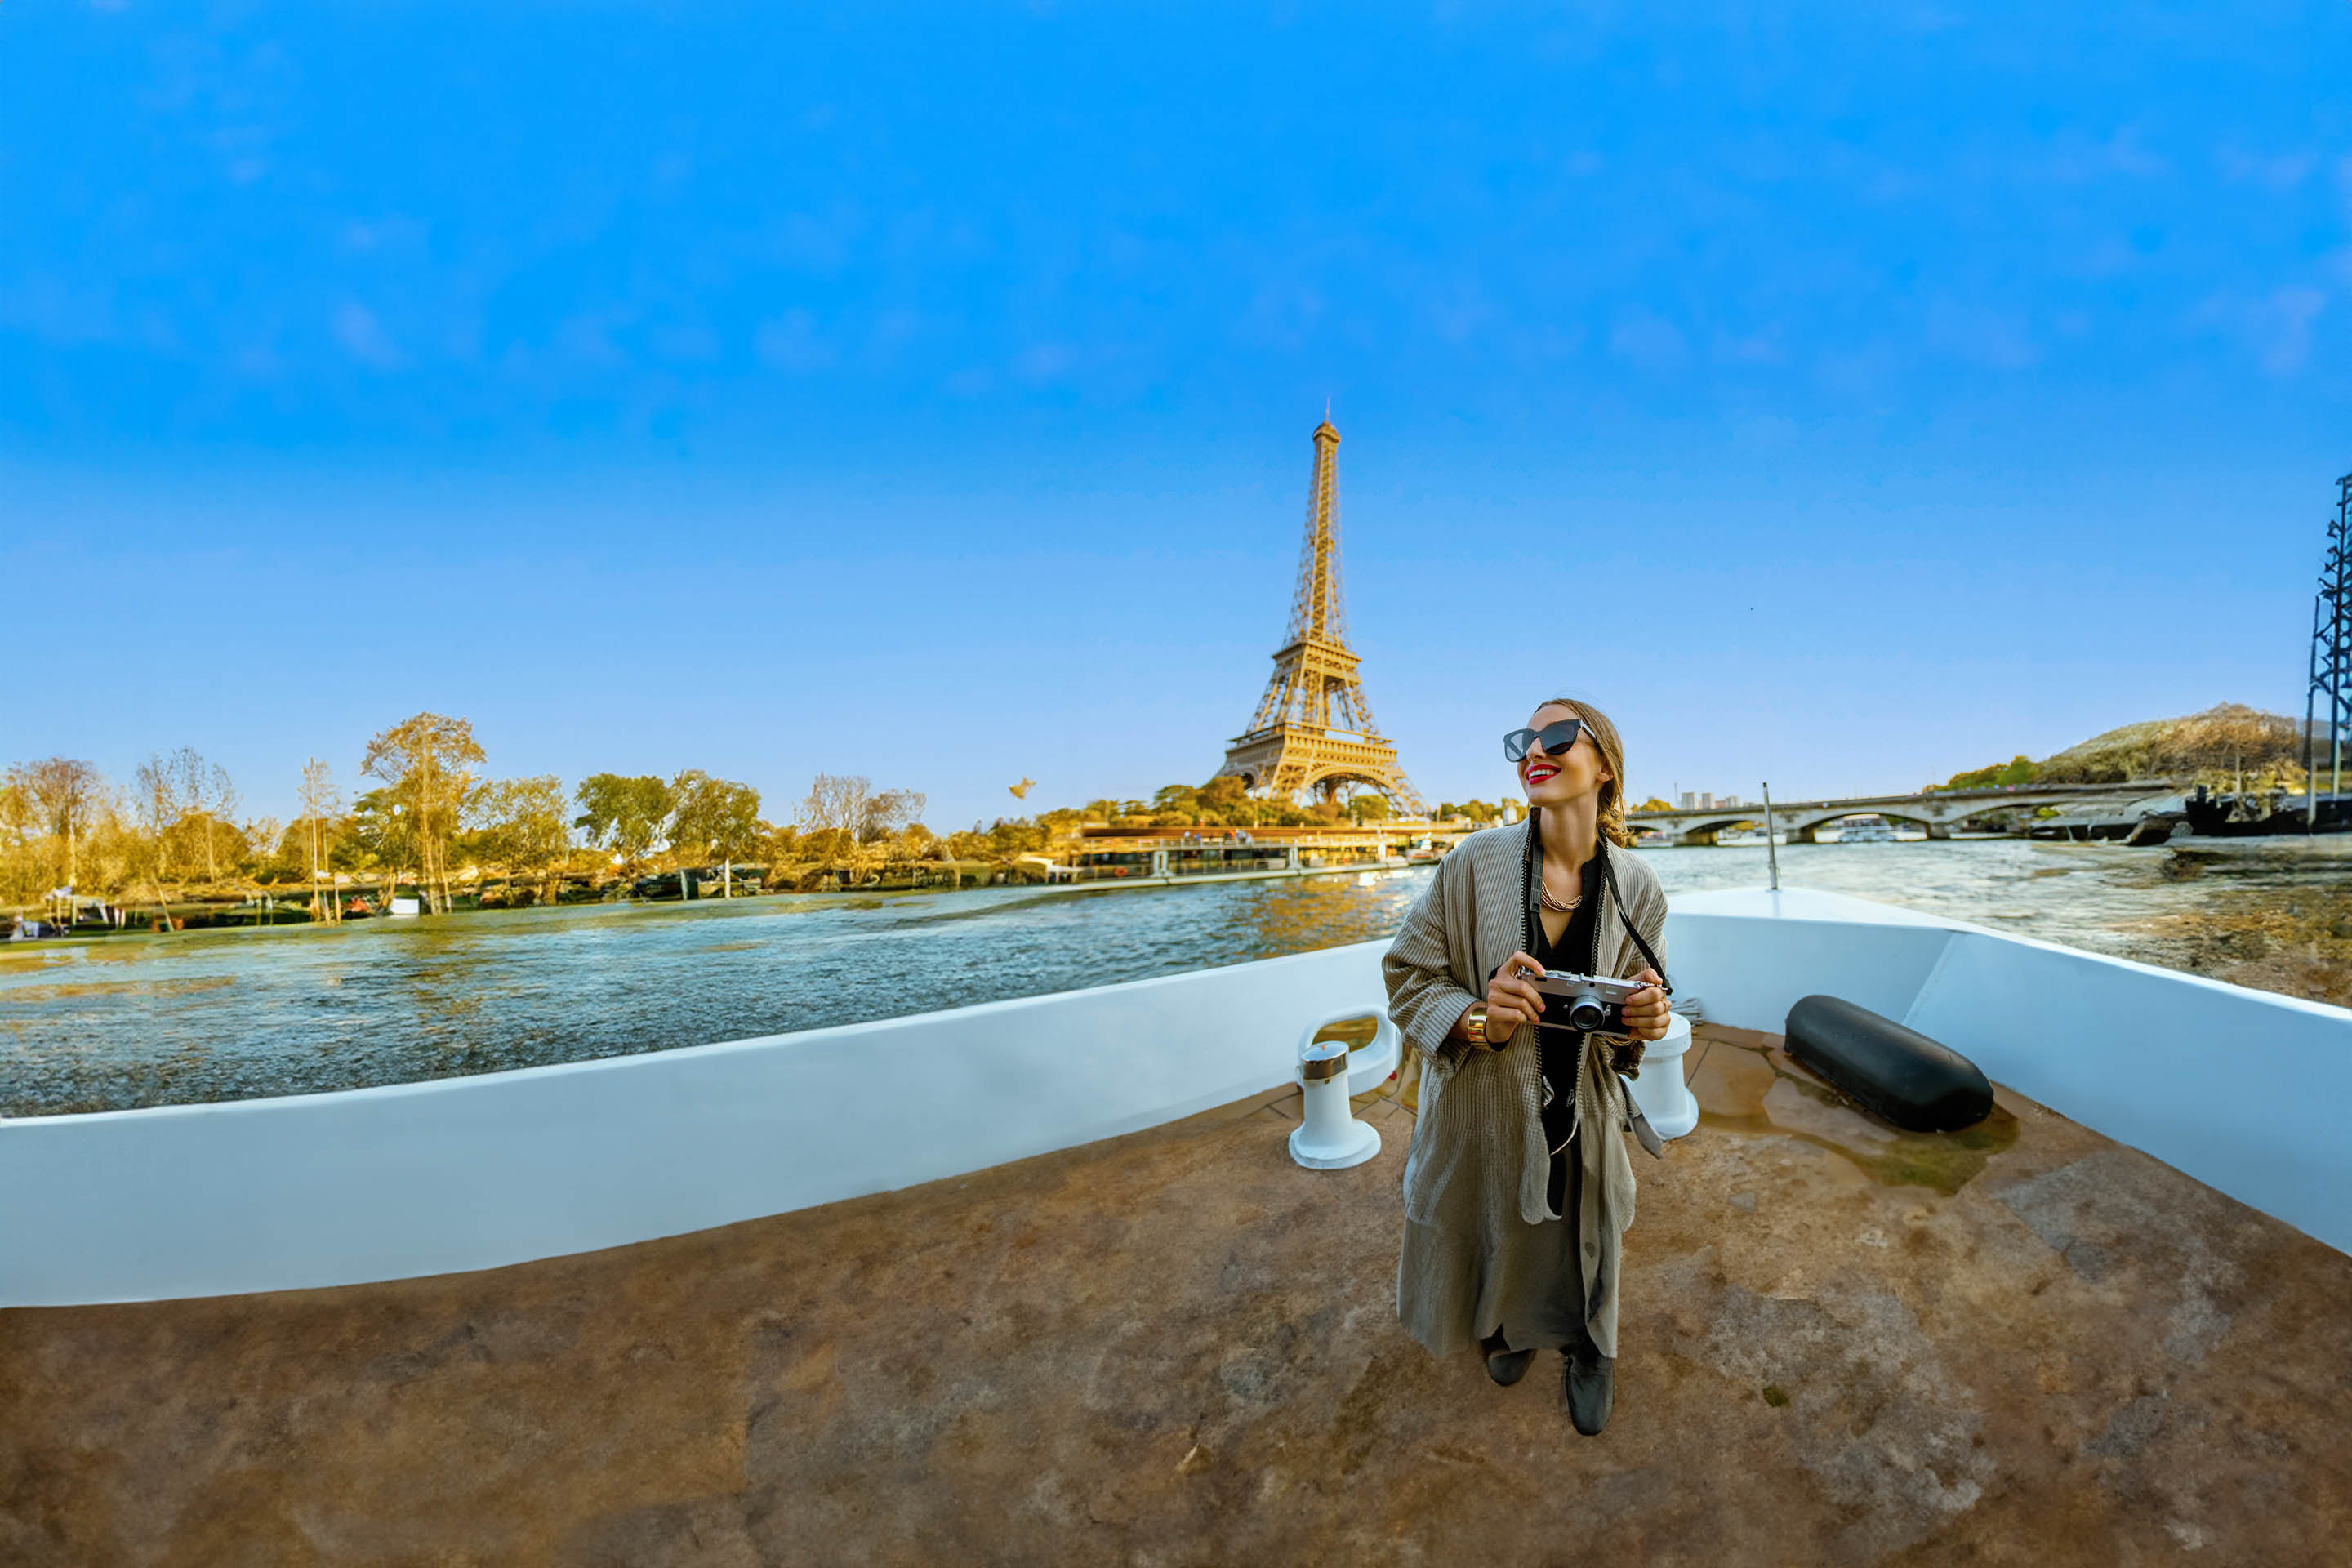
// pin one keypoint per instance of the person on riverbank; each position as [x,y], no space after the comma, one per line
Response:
[1517,1188]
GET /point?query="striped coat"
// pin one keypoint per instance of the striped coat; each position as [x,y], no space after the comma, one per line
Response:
[1477,1167]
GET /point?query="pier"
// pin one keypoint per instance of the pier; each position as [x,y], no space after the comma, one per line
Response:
[1160,856]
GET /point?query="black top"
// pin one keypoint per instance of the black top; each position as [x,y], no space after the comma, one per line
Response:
[1563,1047]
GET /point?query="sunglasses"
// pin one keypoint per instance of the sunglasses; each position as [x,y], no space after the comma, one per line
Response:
[1555,739]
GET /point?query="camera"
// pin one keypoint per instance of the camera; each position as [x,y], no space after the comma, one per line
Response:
[1595,1005]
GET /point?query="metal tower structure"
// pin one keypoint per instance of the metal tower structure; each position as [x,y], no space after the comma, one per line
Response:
[1314,730]
[2330,696]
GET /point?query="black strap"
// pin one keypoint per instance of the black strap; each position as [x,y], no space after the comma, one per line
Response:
[1530,867]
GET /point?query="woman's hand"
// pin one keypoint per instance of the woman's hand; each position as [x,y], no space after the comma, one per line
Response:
[1649,1010]
[1511,1000]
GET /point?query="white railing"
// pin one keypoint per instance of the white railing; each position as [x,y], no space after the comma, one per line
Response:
[2249,1093]
[473,1173]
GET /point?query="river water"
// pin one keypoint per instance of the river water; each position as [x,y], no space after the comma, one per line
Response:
[138,1021]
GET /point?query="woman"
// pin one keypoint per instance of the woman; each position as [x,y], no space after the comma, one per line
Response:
[1517,1185]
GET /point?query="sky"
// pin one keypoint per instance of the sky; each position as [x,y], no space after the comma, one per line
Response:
[1841,396]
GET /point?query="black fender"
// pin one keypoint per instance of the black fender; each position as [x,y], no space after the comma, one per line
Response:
[1918,1084]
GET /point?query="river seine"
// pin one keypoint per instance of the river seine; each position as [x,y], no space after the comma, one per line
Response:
[139,1021]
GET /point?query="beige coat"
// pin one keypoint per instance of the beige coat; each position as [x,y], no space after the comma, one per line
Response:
[1477,1169]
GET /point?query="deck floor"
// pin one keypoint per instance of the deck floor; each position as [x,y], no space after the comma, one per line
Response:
[1841,1344]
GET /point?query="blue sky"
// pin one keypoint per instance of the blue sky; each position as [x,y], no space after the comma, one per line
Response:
[1840,395]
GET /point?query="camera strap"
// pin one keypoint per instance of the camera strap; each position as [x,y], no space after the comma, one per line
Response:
[1530,869]
[1531,872]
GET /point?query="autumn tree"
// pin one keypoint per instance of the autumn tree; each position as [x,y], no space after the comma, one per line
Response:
[624,815]
[210,802]
[526,826]
[321,800]
[715,819]
[427,763]
[20,869]
[842,813]
[833,814]
[185,803]
[894,810]
[374,837]
[64,797]
[2227,741]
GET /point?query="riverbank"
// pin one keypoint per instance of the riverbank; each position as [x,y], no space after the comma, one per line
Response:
[205,1015]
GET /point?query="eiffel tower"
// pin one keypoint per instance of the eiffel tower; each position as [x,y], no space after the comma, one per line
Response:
[1314,730]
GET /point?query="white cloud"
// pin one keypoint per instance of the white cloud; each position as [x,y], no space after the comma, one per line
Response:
[367,235]
[2275,328]
[1980,335]
[2074,159]
[364,337]
[790,342]
[1755,348]
[1040,363]
[2277,171]
[1648,342]
[587,339]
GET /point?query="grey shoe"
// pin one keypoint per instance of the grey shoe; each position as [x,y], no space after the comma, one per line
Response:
[1505,1365]
[1588,1382]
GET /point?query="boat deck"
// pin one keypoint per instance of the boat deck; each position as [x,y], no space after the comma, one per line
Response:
[1841,1344]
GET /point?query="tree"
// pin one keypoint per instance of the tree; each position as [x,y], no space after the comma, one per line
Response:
[375,834]
[156,799]
[526,827]
[626,815]
[211,801]
[1368,806]
[894,810]
[1223,800]
[1178,804]
[21,879]
[187,803]
[320,799]
[2224,741]
[843,817]
[428,762]
[715,819]
[1653,803]
[65,794]
[2019,769]
[838,809]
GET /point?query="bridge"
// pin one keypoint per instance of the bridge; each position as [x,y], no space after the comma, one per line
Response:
[1939,811]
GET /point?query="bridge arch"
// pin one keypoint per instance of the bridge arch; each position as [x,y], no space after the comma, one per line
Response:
[1802,826]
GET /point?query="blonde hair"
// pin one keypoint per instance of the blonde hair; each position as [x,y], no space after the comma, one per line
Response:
[1612,815]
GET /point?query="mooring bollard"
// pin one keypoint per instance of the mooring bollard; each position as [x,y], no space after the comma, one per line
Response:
[1328,1137]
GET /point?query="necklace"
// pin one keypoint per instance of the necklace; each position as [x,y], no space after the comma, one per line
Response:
[1554,905]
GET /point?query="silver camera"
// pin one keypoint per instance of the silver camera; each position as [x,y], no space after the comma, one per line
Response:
[1595,1005]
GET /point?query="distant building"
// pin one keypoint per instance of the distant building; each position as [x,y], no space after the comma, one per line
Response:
[1690,799]
[1707,800]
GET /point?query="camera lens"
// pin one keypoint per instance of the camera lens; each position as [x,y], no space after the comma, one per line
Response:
[1587,1012]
